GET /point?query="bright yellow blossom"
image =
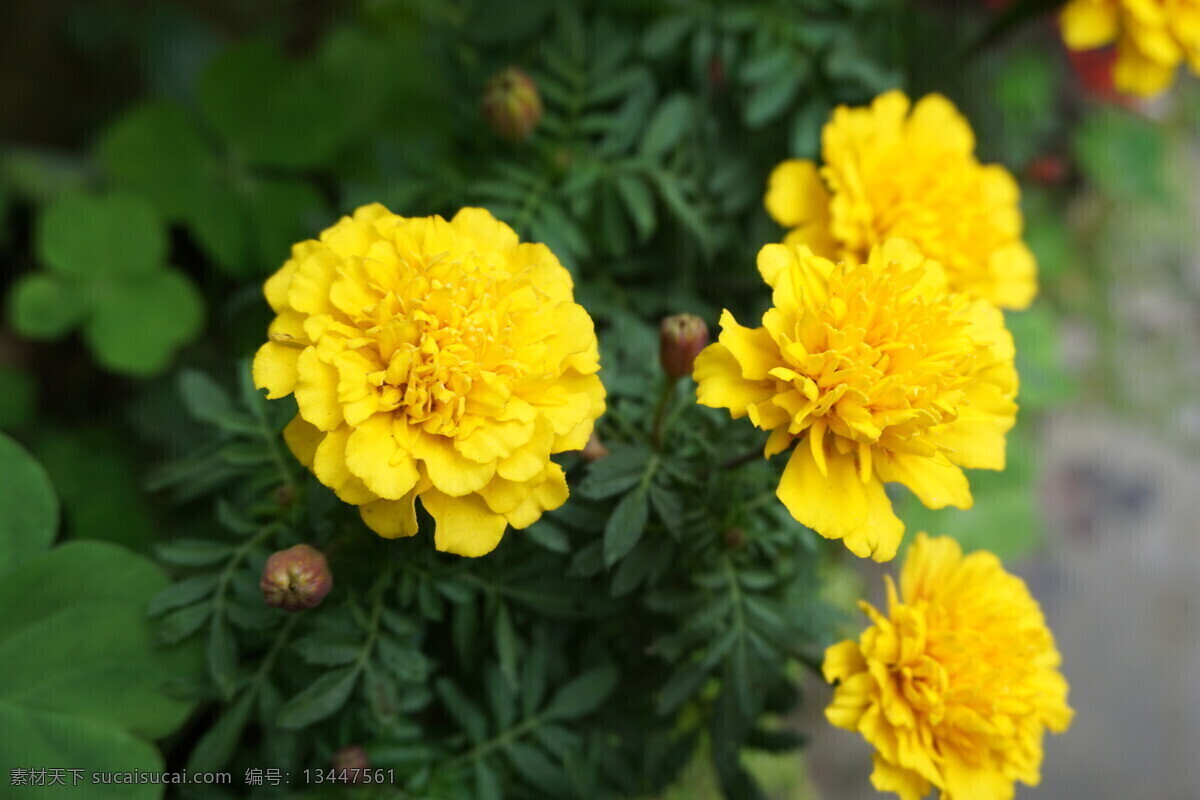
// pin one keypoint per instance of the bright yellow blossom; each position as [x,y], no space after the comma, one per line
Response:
[890,173]
[957,684]
[875,373]
[432,359]
[1152,36]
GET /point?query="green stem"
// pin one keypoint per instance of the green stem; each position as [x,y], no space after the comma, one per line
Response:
[498,741]
[664,402]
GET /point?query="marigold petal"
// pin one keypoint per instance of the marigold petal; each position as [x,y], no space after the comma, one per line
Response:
[450,472]
[316,391]
[842,660]
[274,369]
[391,518]
[753,348]
[465,525]
[382,462]
[719,382]
[1087,24]
[934,480]
[547,495]
[888,777]
[302,439]
[329,465]
[839,505]
[796,193]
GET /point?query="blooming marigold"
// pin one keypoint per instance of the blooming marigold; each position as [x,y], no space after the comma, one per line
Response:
[432,359]
[889,173]
[956,686]
[1152,36]
[877,373]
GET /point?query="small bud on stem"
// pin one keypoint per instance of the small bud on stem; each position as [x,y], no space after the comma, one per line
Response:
[296,578]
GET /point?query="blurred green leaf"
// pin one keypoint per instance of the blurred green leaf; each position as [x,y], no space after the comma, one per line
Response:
[323,697]
[626,526]
[1045,379]
[154,150]
[83,682]
[1123,154]
[584,694]
[105,236]
[28,506]
[137,327]
[668,125]
[43,305]
[18,397]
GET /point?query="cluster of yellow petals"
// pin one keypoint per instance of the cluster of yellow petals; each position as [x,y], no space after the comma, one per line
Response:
[888,173]
[1152,38]
[876,373]
[432,359]
[957,684]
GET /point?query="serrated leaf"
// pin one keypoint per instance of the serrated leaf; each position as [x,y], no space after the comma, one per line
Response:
[626,526]
[508,646]
[205,399]
[771,99]
[584,694]
[323,697]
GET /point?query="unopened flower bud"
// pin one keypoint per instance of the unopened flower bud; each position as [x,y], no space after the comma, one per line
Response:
[1048,170]
[512,105]
[351,758]
[681,338]
[285,495]
[594,450]
[296,578]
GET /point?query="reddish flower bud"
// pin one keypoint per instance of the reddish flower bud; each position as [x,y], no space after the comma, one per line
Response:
[1047,170]
[296,578]
[735,538]
[512,105]
[681,338]
[595,449]
[351,758]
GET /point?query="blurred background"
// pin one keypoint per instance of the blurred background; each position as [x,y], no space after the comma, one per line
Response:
[210,135]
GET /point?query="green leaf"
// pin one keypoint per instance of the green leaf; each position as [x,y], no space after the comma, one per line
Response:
[182,593]
[108,236]
[206,400]
[508,646]
[28,507]
[323,697]
[770,99]
[42,305]
[1123,154]
[619,471]
[667,126]
[665,34]
[216,747]
[222,656]
[84,684]
[182,623]
[465,713]
[312,110]
[95,474]
[156,151]
[193,552]
[626,526]
[584,694]
[137,327]
[322,652]
[1045,380]
[283,212]
[18,397]
[639,203]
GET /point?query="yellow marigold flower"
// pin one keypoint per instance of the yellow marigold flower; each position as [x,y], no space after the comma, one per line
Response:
[956,686]
[889,173]
[876,373]
[1152,36]
[432,359]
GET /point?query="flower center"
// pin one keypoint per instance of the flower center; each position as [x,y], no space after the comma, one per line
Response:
[441,338]
[876,357]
